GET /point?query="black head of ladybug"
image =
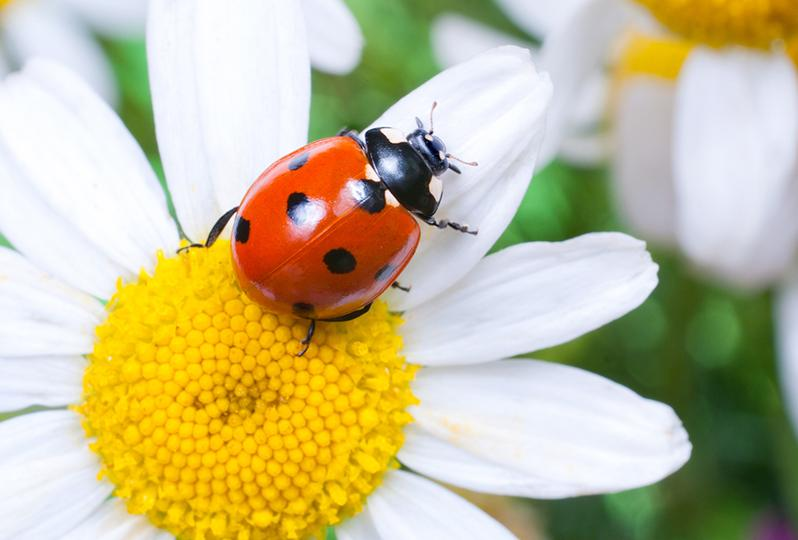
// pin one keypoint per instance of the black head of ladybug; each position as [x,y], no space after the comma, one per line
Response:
[409,166]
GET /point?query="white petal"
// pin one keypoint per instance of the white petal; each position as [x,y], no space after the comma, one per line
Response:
[490,110]
[537,429]
[786,319]
[112,521]
[80,199]
[120,18]
[735,137]
[231,93]
[408,507]
[540,17]
[456,39]
[529,297]
[359,527]
[44,29]
[643,170]
[41,316]
[572,54]
[49,475]
[334,37]
[48,381]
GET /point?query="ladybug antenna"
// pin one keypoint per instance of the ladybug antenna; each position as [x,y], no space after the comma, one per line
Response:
[419,123]
[431,111]
[457,159]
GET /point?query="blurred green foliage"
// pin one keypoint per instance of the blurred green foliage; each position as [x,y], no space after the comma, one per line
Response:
[705,351]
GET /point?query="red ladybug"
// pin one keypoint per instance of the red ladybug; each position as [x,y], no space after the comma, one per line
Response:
[327,229]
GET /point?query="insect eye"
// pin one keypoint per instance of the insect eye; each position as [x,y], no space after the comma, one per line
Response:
[438,145]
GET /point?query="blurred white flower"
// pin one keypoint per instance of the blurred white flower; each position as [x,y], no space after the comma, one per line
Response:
[704,110]
[227,103]
[63,30]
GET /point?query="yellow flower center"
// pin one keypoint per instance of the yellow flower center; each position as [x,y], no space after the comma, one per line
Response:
[752,23]
[653,56]
[206,420]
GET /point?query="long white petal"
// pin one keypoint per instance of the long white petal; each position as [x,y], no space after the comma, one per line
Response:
[79,197]
[529,297]
[735,137]
[231,93]
[491,110]
[359,527]
[40,315]
[50,381]
[540,17]
[44,29]
[643,157]
[49,475]
[409,507]
[537,429]
[456,39]
[572,54]
[786,319]
[334,37]
[120,18]
[112,521]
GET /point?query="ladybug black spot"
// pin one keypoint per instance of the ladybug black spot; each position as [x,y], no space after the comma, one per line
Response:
[298,161]
[241,230]
[303,309]
[340,261]
[296,203]
[373,196]
[383,272]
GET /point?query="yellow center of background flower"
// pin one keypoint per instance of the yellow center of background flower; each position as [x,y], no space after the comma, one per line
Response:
[752,23]
[207,421]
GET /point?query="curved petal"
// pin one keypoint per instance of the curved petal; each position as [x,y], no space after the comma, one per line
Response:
[736,131]
[49,475]
[491,110]
[44,29]
[53,381]
[786,321]
[334,37]
[112,521]
[456,39]
[540,17]
[120,18]
[643,171]
[41,316]
[408,507]
[529,297]
[231,94]
[79,198]
[359,527]
[572,54]
[537,429]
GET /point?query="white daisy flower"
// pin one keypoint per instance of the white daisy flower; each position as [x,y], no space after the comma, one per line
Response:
[62,31]
[704,101]
[197,418]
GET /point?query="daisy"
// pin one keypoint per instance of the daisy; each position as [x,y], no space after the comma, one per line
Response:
[62,30]
[189,413]
[704,101]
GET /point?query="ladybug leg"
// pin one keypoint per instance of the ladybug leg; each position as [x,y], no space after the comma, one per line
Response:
[216,230]
[352,134]
[397,285]
[443,223]
[308,338]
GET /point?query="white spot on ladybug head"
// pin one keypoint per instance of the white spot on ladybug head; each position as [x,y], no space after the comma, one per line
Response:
[436,188]
[372,175]
[393,135]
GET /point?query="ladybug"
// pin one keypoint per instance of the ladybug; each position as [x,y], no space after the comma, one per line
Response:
[325,230]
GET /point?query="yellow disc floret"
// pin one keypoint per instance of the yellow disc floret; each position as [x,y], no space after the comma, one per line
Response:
[206,420]
[752,23]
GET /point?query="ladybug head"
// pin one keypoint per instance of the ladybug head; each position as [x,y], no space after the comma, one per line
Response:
[432,149]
